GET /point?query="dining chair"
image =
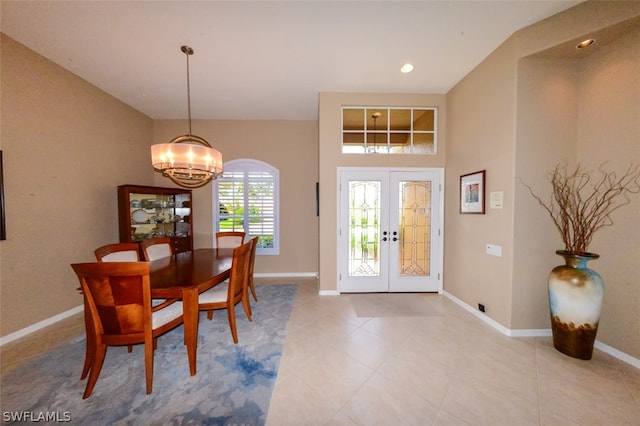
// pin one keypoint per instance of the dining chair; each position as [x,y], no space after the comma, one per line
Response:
[229,239]
[252,260]
[118,295]
[228,294]
[116,252]
[156,248]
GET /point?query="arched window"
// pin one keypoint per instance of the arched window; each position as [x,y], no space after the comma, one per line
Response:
[246,198]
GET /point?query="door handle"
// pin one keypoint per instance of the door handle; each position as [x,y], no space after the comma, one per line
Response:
[395,233]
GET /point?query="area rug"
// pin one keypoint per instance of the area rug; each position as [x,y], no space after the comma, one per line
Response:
[372,305]
[233,384]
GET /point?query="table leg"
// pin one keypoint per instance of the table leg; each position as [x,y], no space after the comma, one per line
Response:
[190,308]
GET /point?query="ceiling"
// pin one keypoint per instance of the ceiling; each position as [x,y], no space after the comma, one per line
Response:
[265,60]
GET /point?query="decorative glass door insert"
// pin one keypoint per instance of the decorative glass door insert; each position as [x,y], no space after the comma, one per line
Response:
[414,224]
[364,228]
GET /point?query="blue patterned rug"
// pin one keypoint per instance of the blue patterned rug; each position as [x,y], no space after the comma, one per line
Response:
[232,386]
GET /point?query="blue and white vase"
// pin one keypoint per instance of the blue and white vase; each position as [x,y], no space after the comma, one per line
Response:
[575,301]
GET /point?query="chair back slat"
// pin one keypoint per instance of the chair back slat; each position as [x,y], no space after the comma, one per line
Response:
[118,252]
[229,239]
[156,248]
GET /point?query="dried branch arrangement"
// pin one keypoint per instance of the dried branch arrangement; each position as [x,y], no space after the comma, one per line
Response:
[581,204]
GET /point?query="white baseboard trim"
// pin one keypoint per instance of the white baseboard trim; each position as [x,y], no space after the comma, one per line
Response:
[42,324]
[618,354]
[37,326]
[329,293]
[635,362]
[540,333]
[286,275]
[501,328]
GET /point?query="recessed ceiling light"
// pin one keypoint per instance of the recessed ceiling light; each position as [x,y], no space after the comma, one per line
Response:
[406,68]
[585,43]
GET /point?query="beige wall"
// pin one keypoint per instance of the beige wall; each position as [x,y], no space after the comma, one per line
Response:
[331,157]
[611,78]
[547,93]
[481,135]
[291,147]
[552,107]
[66,146]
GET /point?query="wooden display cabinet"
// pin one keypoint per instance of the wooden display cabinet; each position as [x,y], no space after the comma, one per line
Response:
[149,211]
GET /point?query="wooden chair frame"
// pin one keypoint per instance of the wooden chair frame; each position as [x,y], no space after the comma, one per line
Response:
[252,259]
[236,290]
[100,274]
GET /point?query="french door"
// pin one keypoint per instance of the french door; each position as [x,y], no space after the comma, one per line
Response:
[390,230]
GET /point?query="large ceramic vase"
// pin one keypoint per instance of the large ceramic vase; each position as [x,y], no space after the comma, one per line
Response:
[575,300]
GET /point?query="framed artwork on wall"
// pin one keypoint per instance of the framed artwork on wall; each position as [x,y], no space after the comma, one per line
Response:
[3,230]
[472,193]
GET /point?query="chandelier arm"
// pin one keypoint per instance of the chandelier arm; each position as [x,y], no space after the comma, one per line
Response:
[188,51]
[190,184]
[190,138]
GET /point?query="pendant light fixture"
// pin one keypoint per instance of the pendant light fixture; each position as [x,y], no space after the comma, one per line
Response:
[188,160]
[375,117]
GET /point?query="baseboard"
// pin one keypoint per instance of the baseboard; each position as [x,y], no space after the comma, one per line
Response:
[286,275]
[42,324]
[618,354]
[539,333]
[39,325]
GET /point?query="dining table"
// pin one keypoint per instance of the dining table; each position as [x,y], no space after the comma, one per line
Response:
[184,276]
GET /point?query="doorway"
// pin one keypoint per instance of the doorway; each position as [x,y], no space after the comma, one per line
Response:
[390,230]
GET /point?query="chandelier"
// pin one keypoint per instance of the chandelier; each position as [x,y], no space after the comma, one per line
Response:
[188,160]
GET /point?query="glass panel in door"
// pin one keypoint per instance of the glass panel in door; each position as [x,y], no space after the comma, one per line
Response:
[363,255]
[414,217]
[364,228]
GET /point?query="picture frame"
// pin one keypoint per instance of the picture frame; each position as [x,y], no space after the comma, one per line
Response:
[3,229]
[472,193]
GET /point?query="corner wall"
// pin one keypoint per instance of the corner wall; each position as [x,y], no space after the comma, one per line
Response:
[609,129]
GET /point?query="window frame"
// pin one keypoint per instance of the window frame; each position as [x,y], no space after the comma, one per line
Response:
[246,166]
[386,131]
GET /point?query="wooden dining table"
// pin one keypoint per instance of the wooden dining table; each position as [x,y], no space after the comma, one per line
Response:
[184,276]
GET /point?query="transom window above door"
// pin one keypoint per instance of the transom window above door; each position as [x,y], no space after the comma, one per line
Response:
[389,130]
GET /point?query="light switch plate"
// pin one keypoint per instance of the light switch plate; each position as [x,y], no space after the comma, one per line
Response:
[496,199]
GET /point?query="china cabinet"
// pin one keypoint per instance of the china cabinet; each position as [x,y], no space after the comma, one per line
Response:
[149,211]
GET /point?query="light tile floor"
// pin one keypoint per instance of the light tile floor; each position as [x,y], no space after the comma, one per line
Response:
[446,369]
[450,369]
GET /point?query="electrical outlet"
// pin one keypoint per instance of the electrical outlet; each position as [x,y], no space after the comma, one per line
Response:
[494,250]
[480,307]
